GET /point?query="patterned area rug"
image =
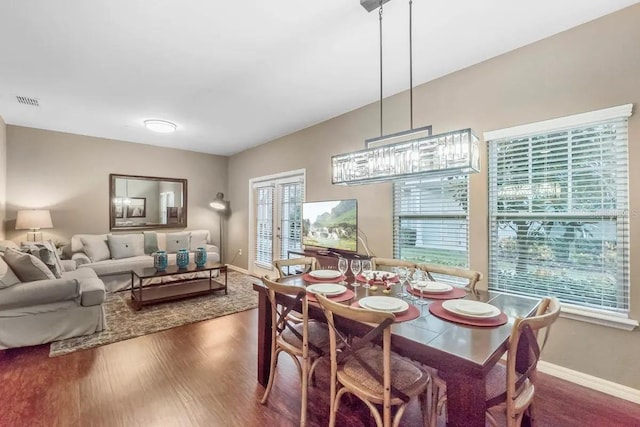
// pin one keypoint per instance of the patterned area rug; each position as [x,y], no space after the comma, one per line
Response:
[124,322]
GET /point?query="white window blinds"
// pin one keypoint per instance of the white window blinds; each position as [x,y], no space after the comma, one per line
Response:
[430,221]
[558,211]
[264,225]
[292,195]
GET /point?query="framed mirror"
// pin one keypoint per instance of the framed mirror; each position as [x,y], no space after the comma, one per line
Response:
[145,202]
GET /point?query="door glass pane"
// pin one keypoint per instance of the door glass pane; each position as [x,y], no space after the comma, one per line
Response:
[291,218]
[264,226]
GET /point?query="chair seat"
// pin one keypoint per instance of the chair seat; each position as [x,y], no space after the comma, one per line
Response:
[405,375]
[318,336]
[496,382]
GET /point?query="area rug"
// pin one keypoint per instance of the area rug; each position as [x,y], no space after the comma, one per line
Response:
[124,322]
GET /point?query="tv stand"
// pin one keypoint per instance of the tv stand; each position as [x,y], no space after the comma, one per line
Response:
[328,258]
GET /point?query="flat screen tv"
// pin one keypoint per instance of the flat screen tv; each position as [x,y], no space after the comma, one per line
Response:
[331,224]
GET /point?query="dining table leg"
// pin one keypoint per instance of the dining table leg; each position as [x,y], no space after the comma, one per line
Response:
[264,337]
[465,399]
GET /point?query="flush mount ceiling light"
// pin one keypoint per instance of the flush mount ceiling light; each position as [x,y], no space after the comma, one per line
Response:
[409,153]
[161,126]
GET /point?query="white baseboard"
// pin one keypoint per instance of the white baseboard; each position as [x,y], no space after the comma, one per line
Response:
[589,381]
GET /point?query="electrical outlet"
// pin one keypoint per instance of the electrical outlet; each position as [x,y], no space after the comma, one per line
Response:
[240,252]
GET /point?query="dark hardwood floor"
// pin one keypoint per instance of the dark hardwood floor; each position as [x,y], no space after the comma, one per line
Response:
[204,374]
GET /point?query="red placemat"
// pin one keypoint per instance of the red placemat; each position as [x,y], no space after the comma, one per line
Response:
[361,278]
[436,309]
[346,296]
[452,294]
[411,314]
[309,278]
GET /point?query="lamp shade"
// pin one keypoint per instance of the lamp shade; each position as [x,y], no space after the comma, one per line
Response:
[33,219]
[219,203]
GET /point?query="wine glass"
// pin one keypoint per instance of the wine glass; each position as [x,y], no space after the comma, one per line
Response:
[355,269]
[402,273]
[366,271]
[420,283]
[343,266]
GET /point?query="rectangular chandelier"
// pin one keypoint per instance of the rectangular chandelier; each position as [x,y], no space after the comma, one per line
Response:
[447,154]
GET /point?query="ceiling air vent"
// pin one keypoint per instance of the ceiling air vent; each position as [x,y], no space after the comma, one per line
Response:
[28,101]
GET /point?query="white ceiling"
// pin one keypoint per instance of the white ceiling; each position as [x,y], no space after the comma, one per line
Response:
[236,74]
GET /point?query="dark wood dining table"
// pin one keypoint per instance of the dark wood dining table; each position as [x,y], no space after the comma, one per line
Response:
[463,355]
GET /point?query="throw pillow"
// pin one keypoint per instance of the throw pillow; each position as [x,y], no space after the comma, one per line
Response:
[52,246]
[150,242]
[45,252]
[4,244]
[95,247]
[125,245]
[199,239]
[7,276]
[176,241]
[27,267]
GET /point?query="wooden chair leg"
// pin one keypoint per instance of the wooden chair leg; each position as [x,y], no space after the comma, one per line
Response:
[272,374]
[433,413]
[305,389]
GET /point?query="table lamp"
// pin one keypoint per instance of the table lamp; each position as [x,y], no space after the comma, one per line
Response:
[34,220]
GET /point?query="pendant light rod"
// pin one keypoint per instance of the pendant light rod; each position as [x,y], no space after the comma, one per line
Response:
[410,65]
[380,18]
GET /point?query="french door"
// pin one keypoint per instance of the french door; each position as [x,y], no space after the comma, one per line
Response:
[275,223]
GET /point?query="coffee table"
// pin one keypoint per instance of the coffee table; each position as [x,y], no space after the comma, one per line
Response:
[175,287]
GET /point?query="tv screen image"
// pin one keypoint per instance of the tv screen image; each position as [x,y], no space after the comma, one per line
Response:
[331,224]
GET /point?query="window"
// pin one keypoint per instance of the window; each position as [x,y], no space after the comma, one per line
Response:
[558,209]
[431,222]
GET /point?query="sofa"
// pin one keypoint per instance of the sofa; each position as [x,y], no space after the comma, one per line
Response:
[112,256]
[37,308]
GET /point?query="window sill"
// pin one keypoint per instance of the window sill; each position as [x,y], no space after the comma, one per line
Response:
[598,318]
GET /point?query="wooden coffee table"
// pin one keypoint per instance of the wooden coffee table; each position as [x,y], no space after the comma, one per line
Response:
[175,288]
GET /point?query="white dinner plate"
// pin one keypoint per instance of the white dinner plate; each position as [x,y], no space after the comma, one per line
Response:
[325,274]
[429,287]
[471,309]
[389,304]
[329,289]
[379,274]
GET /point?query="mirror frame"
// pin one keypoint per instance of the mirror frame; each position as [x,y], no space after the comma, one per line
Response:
[112,195]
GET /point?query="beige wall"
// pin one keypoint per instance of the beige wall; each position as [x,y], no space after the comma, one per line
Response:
[593,66]
[69,174]
[3,174]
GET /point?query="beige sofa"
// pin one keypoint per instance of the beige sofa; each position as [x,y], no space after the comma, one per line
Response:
[40,311]
[88,251]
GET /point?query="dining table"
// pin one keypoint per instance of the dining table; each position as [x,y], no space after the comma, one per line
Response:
[462,354]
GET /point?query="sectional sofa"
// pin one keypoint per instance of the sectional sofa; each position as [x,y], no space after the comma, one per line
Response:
[112,256]
[39,304]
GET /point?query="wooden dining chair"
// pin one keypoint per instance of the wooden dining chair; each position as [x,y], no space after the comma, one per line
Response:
[390,263]
[470,277]
[305,341]
[308,264]
[510,388]
[375,375]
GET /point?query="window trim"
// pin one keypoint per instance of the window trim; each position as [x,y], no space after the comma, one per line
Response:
[560,123]
[571,311]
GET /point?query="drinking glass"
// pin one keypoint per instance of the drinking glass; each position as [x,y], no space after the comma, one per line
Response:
[419,282]
[343,266]
[366,270]
[355,269]
[402,273]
